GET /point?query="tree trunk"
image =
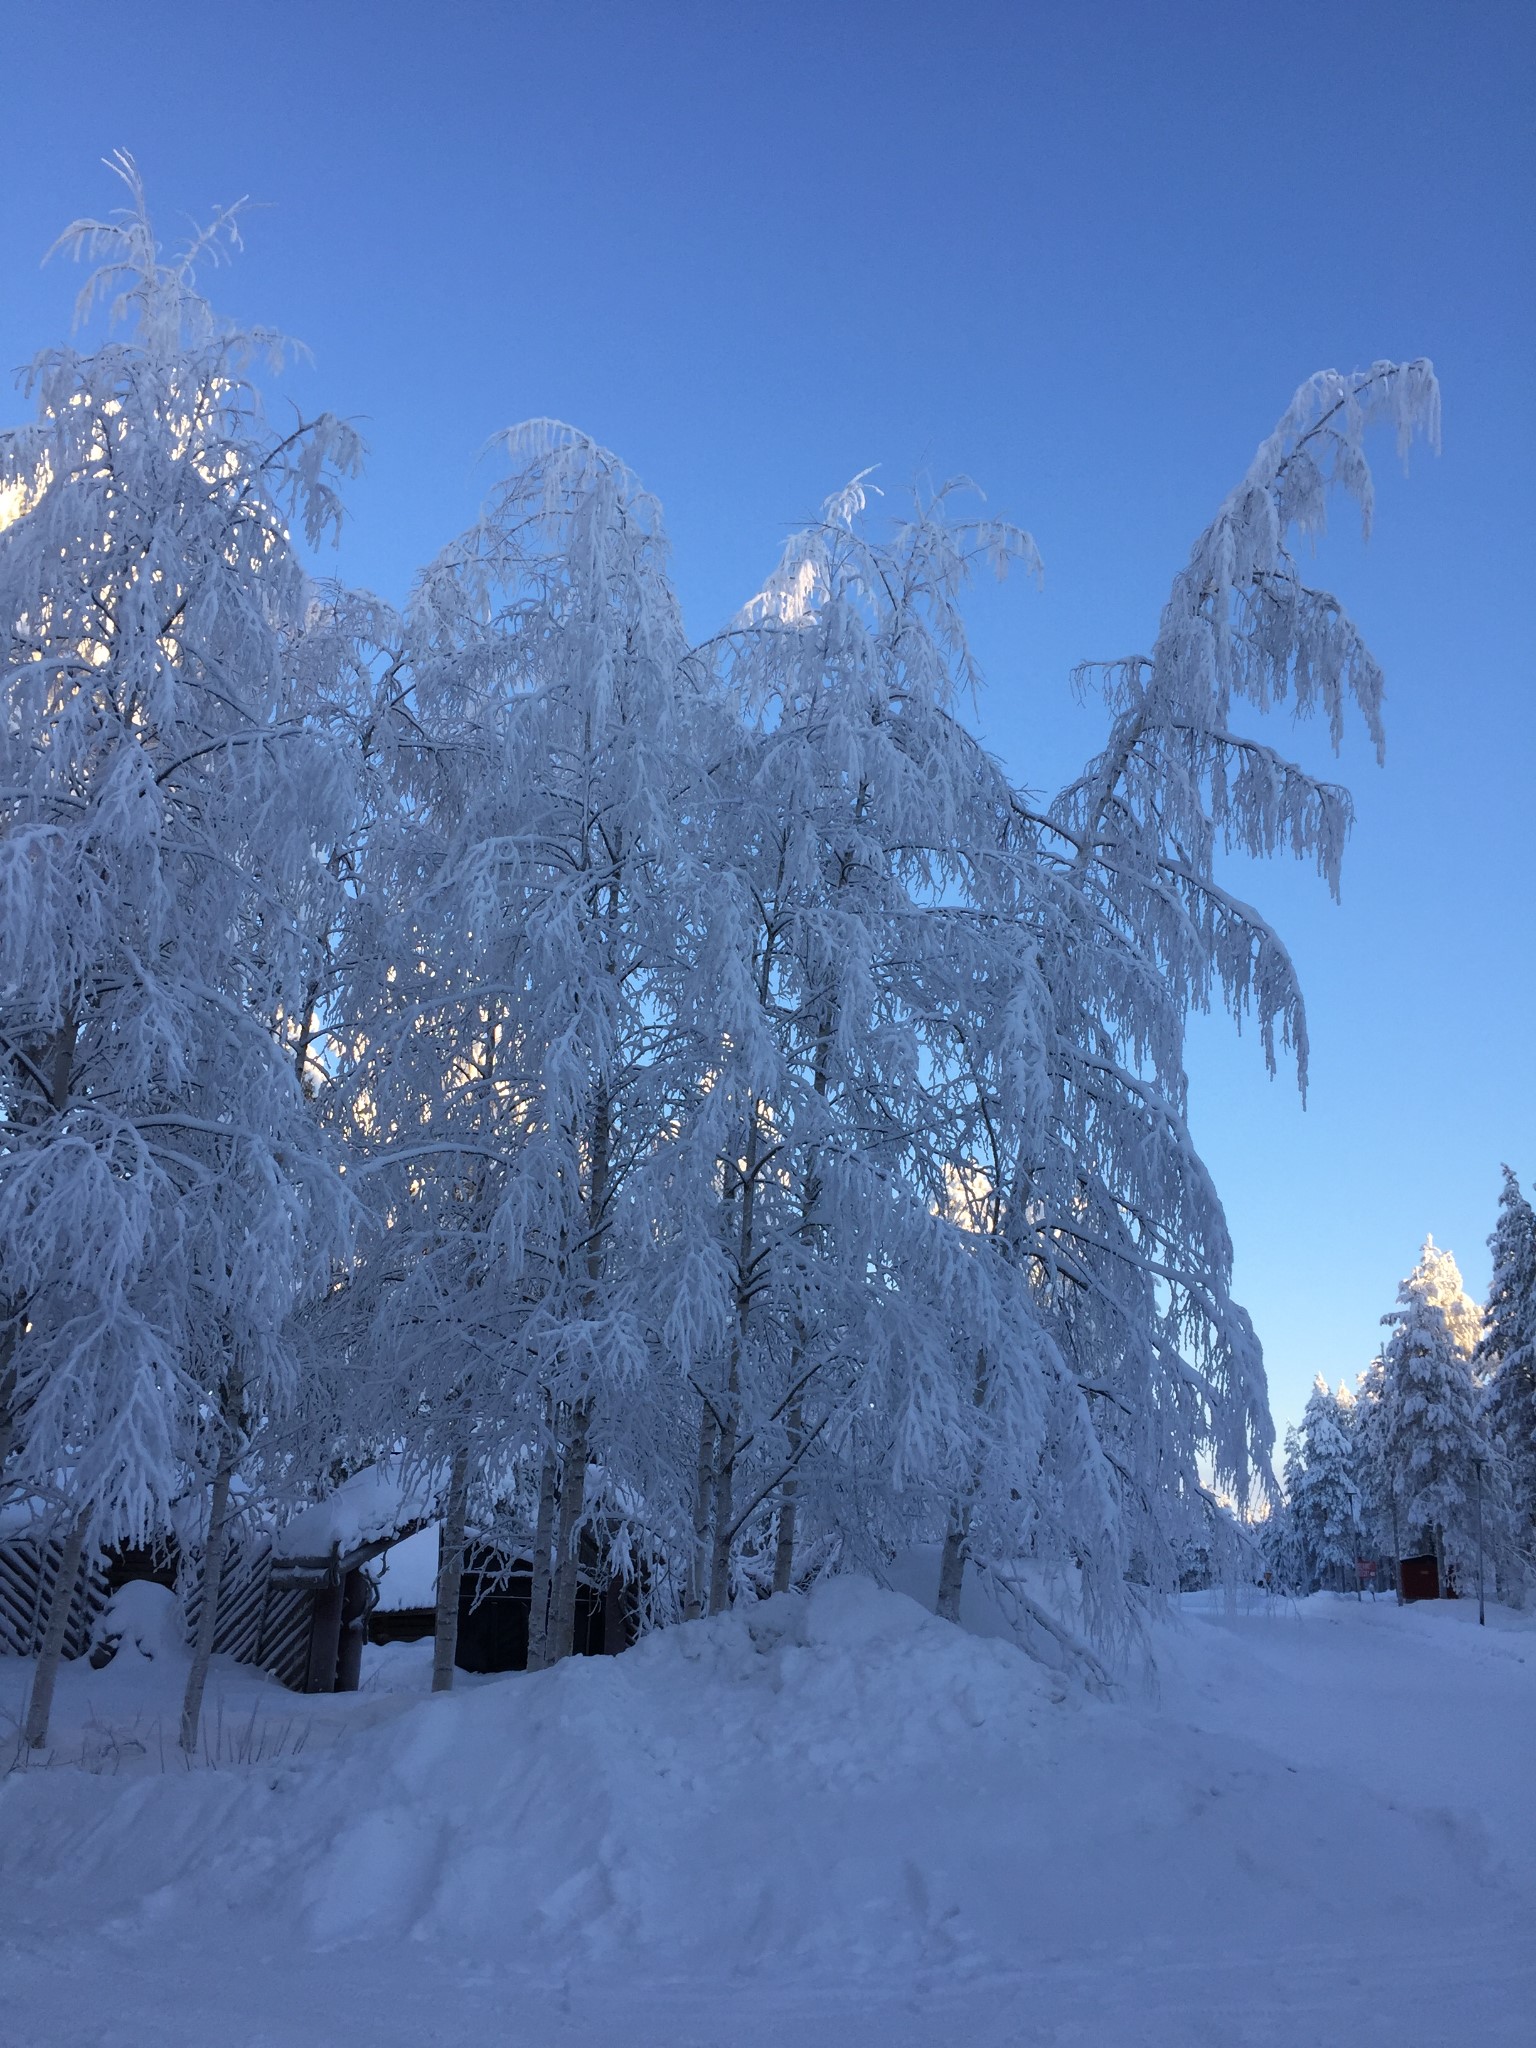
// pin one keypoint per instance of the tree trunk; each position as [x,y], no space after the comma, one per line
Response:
[957,1535]
[208,1612]
[450,1574]
[952,1569]
[725,1471]
[573,1501]
[357,1603]
[784,1552]
[40,1704]
[543,1545]
[698,1567]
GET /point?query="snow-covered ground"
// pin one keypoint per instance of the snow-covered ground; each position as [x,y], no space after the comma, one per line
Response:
[835,1820]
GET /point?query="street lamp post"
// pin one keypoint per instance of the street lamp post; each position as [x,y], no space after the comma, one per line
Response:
[1482,1620]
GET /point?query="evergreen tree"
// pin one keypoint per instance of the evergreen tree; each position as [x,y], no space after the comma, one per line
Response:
[1285,1547]
[1328,1502]
[1505,1361]
[1427,1416]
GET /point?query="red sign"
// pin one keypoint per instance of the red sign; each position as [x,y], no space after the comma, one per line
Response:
[1365,1568]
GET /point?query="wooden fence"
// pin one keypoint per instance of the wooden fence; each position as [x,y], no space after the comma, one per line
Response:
[29,1567]
[259,1622]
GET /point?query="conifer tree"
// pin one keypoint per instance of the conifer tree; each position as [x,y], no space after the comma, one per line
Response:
[1285,1538]
[1328,1495]
[1427,1419]
[1505,1360]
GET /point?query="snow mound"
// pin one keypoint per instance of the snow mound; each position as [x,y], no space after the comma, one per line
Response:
[837,1790]
[141,1616]
[752,1784]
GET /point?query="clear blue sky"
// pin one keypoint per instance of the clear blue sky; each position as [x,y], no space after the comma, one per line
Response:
[1081,252]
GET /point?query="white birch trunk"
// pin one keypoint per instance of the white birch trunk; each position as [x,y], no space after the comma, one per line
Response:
[49,1656]
[573,1500]
[7,1390]
[784,1549]
[725,1468]
[450,1574]
[958,1535]
[698,1563]
[952,1570]
[543,1547]
[208,1612]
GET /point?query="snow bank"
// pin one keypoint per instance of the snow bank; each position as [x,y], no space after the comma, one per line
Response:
[840,1814]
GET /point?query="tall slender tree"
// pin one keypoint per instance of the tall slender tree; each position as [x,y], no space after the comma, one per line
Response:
[1505,1363]
[164,1198]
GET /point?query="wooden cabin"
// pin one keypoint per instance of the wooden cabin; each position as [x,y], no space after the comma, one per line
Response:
[357,1567]
[495,1597]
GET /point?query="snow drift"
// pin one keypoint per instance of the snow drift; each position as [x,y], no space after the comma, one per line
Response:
[839,1794]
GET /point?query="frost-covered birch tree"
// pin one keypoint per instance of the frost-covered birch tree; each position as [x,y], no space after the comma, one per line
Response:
[1157,934]
[769,1115]
[859,827]
[542,1024]
[164,1200]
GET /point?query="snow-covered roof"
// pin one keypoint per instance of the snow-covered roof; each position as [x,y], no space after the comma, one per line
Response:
[368,1508]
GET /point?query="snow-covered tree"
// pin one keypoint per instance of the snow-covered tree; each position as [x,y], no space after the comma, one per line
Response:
[768,1116]
[887,920]
[536,997]
[1283,1536]
[1327,1492]
[1505,1360]
[164,806]
[1425,1424]
[1153,934]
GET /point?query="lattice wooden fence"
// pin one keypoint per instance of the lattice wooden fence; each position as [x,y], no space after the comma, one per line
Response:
[29,1565]
[259,1623]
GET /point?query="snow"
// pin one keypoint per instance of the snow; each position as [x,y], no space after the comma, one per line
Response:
[143,1619]
[373,1503]
[831,1814]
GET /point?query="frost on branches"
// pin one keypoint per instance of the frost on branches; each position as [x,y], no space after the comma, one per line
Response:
[765,1123]
[164,804]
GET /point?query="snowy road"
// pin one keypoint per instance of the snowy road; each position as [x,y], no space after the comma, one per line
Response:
[847,1825]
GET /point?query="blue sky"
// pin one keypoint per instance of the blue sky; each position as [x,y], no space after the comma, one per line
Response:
[1082,253]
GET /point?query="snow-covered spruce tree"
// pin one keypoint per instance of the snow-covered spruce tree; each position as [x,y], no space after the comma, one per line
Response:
[1373,1471]
[536,1011]
[164,1201]
[1327,1498]
[1283,1536]
[1426,1420]
[1505,1364]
